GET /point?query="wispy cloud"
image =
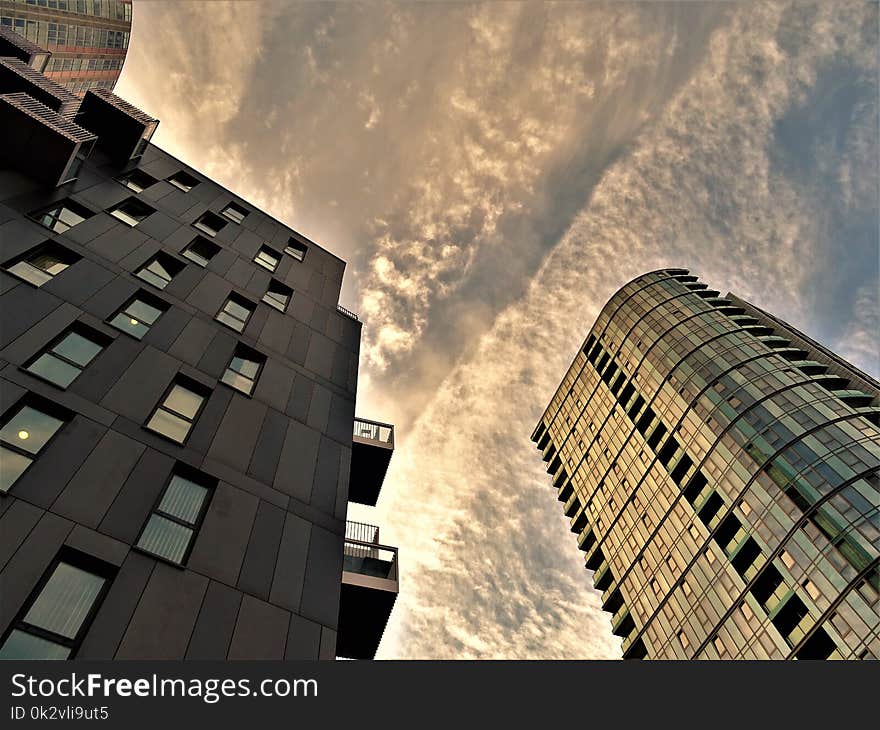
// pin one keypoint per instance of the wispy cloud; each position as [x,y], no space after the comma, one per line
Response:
[493,173]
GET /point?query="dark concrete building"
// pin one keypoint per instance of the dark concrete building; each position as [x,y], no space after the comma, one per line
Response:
[721,471]
[178,437]
[85,40]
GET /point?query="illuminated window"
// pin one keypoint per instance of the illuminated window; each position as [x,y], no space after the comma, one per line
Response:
[138,315]
[25,432]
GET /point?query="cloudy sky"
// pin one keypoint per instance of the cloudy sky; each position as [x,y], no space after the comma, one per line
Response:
[492,174]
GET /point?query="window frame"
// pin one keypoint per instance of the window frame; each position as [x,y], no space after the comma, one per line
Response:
[130,200]
[57,206]
[206,229]
[148,299]
[248,354]
[182,186]
[184,471]
[236,209]
[77,328]
[47,408]
[293,244]
[25,257]
[271,303]
[206,241]
[157,257]
[125,180]
[232,296]
[82,561]
[267,252]
[193,386]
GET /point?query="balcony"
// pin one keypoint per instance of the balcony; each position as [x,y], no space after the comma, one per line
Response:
[369,590]
[17,46]
[17,77]
[123,130]
[372,446]
[39,142]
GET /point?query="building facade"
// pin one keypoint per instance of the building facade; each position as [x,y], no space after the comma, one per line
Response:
[178,441]
[87,39]
[720,470]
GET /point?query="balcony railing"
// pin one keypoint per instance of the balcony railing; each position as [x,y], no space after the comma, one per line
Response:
[347,313]
[375,431]
[369,590]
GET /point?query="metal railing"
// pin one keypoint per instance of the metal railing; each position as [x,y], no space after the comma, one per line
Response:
[374,430]
[362,553]
[347,313]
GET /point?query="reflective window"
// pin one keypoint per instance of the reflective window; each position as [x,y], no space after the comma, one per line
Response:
[41,264]
[243,370]
[131,211]
[138,315]
[278,295]
[137,180]
[235,213]
[160,270]
[296,249]
[175,415]
[64,360]
[209,223]
[59,612]
[174,522]
[201,251]
[235,312]
[183,181]
[25,431]
[62,216]
[267,258]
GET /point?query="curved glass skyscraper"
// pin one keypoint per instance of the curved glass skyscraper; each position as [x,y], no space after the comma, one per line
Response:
[720,470]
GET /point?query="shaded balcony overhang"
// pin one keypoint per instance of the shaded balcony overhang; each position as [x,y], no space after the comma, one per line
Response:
[39,142]
[16,45]
[17,76]
[369,590]
[123,130]
[371,450]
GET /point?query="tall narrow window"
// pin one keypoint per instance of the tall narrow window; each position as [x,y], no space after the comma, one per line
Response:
[160,270]
[296,249]
[131,211]
[236,312]
[63,361]
[175,415]
[183,181]
[244,369]
[235,213]
[42,263]
[175,520]
[201,251]
[278,295]
[26,430]
[138,315]
[62,216]
[267,258]
[209,223]
[137,180]
[56,617]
